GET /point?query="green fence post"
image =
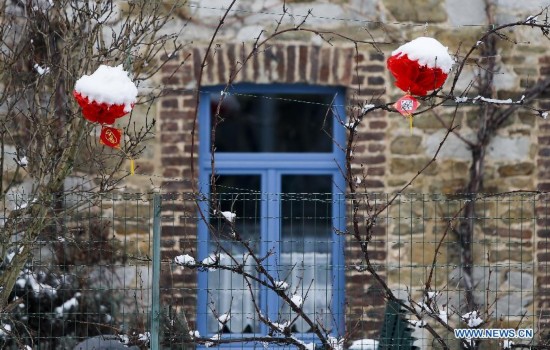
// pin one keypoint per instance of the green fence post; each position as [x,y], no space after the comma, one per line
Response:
[155,307]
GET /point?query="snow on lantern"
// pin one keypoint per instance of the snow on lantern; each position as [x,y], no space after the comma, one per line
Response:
[105,96]
[418,66]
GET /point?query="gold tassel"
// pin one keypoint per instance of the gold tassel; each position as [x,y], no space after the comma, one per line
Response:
[133,166]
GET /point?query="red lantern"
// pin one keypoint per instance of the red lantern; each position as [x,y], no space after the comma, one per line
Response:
[110,136]
[420,66]
[104,96]
[101,113]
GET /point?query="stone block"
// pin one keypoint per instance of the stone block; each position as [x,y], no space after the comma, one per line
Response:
[406,145]
[523,168]
[422,11]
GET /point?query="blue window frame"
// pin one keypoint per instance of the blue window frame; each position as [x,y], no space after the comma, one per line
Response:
[259,177]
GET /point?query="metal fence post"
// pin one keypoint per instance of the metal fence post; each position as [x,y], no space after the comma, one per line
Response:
[155,307]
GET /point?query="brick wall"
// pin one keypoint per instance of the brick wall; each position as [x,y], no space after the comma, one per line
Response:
[283,62]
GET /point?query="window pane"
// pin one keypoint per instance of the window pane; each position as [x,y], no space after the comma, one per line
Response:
[229,292]
[274,123]
[306,247]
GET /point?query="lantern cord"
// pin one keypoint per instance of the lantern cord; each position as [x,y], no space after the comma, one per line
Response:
[411,123]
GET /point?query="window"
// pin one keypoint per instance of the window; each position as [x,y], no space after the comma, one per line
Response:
[279,169]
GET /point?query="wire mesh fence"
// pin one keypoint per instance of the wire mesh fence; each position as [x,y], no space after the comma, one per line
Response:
[246,269]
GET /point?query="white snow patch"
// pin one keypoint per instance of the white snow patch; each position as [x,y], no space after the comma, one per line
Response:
[23,161]
[211,260]
[461,99]
[444,316]
[336,343]
[109,85]
[194,334]
[41,70]
[428,52]
[507,344]
[280,326]
[124,339]
[281,285]
[364,344]
[367,107]
[224,318]
[4,330]
[418,323]
[544,115]
[185,260]
[472,319]
[229,216]
[491,100]
[297,300]
[144,337]
[67,306]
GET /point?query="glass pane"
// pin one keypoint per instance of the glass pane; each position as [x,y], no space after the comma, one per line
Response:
[229,293]
[274,123]
[306,245]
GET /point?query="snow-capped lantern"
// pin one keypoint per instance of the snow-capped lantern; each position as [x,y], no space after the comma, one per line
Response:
[105,95]
[419,66]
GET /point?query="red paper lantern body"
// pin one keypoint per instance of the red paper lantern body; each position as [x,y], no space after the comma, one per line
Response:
[413,78]
[101,113]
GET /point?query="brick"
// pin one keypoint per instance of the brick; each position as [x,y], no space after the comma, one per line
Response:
[170,126]
[372,68]
[370,160]
[291,63]
[256,66]
[371,136]
[373,184]
[170,149]
[378,124]
[544,152]
[376,56]
[335,65]
[324,70]
[348,66]
[171,172]
[543,256]
[357,79]
[172,115]
[280,61]
[314,61]
[197,62]
[544,186]
[375,81]
[302,62]
[543,233]
[209,67]
[171,80]
[377,147]
[376,171]
[173,161]
[189,102]
[169,103]
[221,65]
[172,138]
[545,70]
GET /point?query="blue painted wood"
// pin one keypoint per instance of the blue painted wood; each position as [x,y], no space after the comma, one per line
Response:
[271,166]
